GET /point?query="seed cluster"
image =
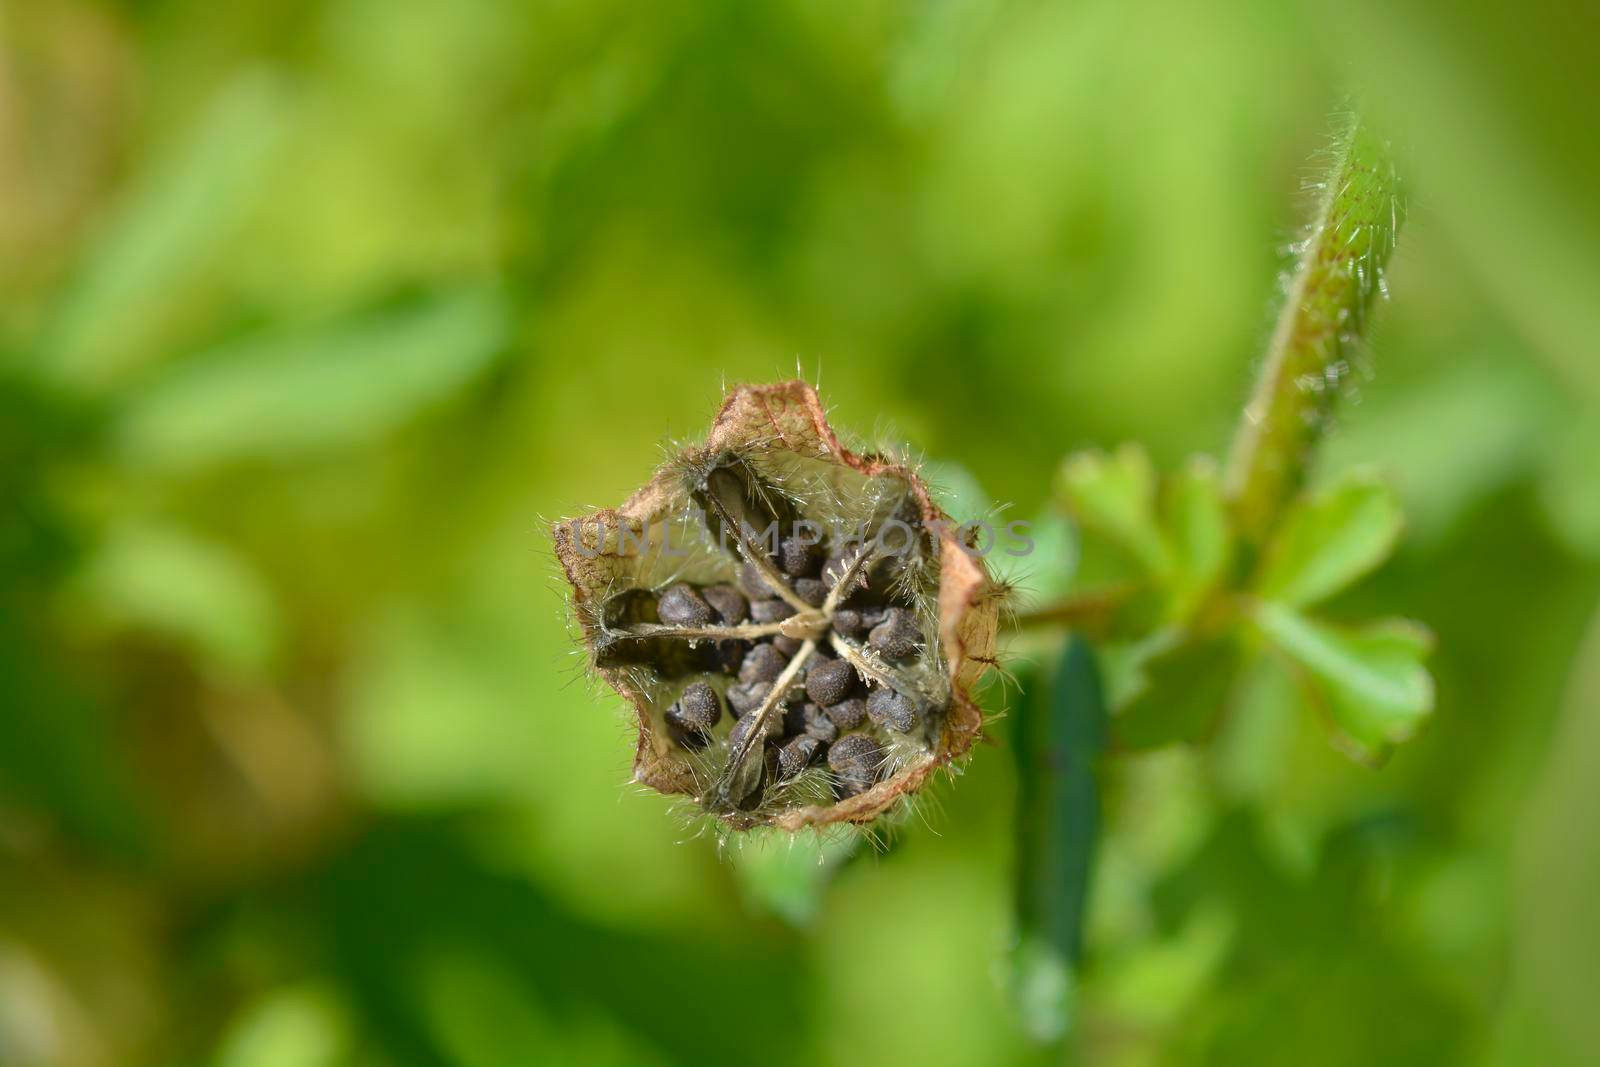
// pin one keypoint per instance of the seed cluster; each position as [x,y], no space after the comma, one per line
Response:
[813,660]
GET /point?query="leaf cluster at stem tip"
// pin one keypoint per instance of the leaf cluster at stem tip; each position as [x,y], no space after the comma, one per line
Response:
[1197,574]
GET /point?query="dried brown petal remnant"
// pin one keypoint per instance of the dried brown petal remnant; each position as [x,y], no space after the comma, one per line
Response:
[819,594]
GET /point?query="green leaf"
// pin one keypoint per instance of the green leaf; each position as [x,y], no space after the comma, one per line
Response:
[1194,519]
[1329,539]
[1060,735]
[142,270]
[164,580]
[1181,690]
[1370,681]
[300,390]
[1115,496]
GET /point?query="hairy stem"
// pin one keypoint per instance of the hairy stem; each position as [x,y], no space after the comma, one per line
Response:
[1339,272]
[864,662]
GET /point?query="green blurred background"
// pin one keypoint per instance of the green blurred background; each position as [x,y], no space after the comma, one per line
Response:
[311,314]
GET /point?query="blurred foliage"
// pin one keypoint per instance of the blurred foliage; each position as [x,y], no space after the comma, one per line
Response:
[311,312]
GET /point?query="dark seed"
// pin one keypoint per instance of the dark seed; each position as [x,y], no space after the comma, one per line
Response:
[787,645]
[697,708]
[818,724]
[794,756]
[830,682]
[747,697]
[680,605]
[797,558]
[897,636]
[773,610]
[742,728]
[848,621]
[891,710]
[763,663]
[856,759]
[754,585]
[848,714]
[729,604]
[810,720]
[811,590]
[730,655]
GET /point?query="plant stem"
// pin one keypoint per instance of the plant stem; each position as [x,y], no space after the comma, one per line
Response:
[1339,272]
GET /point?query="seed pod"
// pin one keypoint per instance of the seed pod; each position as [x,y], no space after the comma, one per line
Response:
[891,710]
[897,636]
[830,682]
[680,605]
[771,457]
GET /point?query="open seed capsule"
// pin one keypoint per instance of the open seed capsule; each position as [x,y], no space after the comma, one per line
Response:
[877,675]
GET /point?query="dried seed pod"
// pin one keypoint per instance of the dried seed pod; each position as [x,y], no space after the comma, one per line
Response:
[830,682]
[771,458]
[891,710]
[897,636]
[680,605]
